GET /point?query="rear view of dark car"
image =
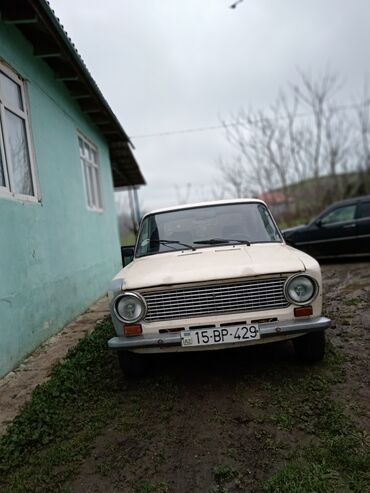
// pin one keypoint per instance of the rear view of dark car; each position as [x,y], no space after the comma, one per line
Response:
[341,230]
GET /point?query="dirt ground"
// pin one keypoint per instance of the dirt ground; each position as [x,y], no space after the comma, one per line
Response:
[226,421]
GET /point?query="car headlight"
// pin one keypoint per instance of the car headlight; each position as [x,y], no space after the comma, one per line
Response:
[129,307]
[301,289]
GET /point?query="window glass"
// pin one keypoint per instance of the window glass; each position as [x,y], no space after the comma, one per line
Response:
[82,147]
[11,92]
[16,165]
[90,173]
[87,151]
[92,187]
[268,223]
[339,215]
[2,177]
[243,221]
[364,209]
[97,188]
[19,157]
[88,188]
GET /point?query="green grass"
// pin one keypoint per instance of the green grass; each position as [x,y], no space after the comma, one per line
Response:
[128,239]
[224,476]
[49,441]
[157,487]
[59,423]
[336,457]
[296,221]
[352,301]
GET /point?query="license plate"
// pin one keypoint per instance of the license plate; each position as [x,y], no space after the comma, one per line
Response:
[221,335]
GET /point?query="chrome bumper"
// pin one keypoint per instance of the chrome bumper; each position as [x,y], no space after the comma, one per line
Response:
[268,330]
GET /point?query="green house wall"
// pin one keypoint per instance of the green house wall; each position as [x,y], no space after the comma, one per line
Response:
[56,256]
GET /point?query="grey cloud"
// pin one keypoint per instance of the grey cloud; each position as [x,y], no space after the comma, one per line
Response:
[172,64]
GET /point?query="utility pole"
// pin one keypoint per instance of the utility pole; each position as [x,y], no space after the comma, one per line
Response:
[137,205]
[132,209]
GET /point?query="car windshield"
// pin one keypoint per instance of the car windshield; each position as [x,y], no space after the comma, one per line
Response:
[199,227]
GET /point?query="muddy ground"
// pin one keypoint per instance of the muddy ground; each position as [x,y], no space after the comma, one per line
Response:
[228,421]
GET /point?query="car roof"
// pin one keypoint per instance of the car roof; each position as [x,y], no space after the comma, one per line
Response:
[206,204]
[352,200]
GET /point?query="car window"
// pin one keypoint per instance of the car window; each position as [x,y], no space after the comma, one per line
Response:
[363,210]
[174,230]
[339,215]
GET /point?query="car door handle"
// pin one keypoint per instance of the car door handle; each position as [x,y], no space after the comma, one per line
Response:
[353,225]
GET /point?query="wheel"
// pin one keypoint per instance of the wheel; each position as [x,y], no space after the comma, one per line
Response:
[132,364]
[310,347]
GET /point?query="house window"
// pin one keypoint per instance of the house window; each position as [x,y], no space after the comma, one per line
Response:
[17,173]
[90,173]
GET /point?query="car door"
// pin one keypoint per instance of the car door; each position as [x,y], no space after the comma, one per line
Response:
[363,227]
[336,233]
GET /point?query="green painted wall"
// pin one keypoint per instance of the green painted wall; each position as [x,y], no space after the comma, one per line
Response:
[56,257]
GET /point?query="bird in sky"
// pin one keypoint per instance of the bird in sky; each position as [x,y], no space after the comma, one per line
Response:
[235,4]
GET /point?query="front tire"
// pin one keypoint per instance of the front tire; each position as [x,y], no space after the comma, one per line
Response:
[310,348]
[132,364]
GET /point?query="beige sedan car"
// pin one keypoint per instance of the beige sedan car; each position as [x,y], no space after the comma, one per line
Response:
[210,276]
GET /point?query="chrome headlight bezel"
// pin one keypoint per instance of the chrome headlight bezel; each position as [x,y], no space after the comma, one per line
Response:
[315,289]
[138,298]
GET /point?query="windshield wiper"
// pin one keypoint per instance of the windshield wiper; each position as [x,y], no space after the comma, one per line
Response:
[173,242]
[219,241]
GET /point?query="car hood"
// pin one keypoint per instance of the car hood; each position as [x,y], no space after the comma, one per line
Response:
[207,264]
[295,228]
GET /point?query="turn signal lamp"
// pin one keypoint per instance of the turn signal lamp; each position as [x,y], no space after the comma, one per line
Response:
[132,330]
[303,311]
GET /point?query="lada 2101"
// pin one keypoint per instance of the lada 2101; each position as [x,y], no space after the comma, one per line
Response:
[214,275]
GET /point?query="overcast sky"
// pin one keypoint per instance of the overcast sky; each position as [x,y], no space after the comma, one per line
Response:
[167,65]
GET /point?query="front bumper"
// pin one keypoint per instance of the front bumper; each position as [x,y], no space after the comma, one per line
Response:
[267,331]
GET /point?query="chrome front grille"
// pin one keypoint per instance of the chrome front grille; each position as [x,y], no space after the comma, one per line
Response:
[245,296]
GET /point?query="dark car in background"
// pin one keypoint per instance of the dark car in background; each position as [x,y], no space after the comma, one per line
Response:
[341,230]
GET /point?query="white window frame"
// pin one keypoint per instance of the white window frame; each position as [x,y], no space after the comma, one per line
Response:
[7,190]
[93,195]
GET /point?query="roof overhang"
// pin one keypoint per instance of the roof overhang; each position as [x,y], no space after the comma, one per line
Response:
[37,22]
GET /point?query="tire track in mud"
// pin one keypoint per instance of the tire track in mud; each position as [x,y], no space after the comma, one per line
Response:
[210,415]
[200,416]
[208,425]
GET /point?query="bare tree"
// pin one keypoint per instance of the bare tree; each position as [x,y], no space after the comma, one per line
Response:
[304,135]
[235,4]
[231,176]
[316,96]
[363,118]
[363,115]
[183,196]
[127,212]
[251,135]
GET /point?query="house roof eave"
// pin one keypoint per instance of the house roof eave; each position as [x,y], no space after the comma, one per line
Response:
[38,23]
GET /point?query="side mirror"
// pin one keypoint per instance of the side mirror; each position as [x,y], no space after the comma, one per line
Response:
[318,223]
[127,254]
